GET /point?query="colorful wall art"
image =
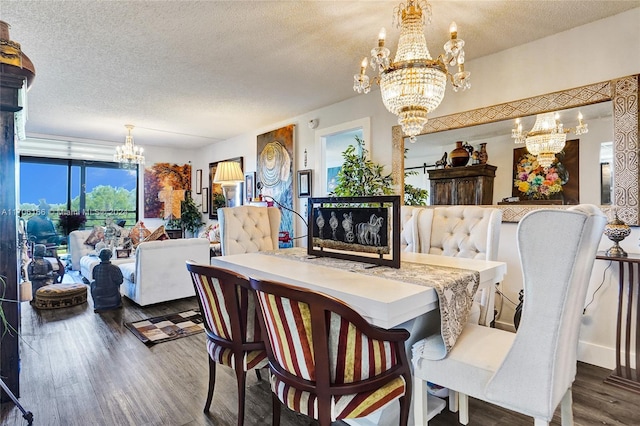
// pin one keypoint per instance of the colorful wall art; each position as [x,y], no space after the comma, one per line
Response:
[275,175]
[559,184]
[164,188]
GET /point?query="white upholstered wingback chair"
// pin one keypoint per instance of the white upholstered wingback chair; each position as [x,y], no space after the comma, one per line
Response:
[248,229]
[532,370]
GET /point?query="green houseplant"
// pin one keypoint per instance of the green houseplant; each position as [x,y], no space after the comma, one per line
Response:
[191,219]
[190,216]
[359,176]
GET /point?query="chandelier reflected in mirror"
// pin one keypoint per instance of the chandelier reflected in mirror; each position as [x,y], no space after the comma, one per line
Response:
[547,137]
[129,153]
[413,85]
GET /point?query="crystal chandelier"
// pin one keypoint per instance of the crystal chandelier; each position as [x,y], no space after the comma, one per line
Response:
[547,137]
[129,153]
[413,84]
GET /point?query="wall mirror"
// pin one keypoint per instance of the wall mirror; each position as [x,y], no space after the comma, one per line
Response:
[330,143]
[611,103]
[430,148]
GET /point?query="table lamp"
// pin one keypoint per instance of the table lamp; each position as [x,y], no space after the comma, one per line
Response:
[228,174]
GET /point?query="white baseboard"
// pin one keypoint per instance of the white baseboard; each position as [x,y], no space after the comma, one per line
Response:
[602,356]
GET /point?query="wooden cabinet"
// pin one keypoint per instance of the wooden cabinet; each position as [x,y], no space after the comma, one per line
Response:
[462,185]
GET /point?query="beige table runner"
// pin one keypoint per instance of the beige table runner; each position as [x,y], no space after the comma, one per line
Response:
[455,287]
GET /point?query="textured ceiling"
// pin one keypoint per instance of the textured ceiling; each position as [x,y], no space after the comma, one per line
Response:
[188,73]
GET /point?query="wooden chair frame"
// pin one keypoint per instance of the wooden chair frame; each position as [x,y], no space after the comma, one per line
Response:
[229,283]
[321,305]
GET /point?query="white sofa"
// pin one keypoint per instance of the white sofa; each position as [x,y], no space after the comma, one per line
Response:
[159,272]
[84,257]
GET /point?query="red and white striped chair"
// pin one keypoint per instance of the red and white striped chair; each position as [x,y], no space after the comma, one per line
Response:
[328,362]
[228,307]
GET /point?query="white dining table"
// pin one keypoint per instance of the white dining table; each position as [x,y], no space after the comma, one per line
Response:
[384,302]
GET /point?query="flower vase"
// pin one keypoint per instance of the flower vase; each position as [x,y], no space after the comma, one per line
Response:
[483,156]
[459,156]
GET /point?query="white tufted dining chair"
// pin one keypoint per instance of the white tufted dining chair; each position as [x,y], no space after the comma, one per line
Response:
[458,231]
[248,229]
[530,371]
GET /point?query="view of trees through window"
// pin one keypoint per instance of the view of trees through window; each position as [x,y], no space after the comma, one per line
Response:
[73,188]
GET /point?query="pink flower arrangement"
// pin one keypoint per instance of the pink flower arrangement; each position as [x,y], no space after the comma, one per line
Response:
[534,181]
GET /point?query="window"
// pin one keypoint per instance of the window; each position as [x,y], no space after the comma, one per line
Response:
[97,189]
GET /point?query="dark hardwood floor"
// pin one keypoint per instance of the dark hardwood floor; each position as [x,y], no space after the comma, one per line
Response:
[82,368]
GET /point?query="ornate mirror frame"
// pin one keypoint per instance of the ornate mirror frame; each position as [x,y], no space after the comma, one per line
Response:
[623,93]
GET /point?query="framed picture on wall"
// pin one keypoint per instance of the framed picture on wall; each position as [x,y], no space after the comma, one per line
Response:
[199,181]
[250,186]
[205,200]
[304,183]
[216,196]
[559,184]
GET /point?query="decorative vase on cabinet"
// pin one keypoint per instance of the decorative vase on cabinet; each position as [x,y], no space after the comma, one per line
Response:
[483,156]
[459,156]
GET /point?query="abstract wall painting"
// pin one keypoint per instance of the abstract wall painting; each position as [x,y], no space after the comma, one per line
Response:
[274,175]
[165,185]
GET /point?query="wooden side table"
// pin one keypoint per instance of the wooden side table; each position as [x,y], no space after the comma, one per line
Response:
[628,323]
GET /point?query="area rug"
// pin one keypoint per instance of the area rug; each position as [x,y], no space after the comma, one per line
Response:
[167,327]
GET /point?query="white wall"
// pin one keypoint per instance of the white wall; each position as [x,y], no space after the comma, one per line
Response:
[595,52]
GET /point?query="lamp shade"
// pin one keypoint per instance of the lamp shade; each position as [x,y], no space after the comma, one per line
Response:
[228,172]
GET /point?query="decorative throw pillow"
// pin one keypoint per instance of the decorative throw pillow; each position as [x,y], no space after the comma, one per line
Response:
[96,236]
[158,235]
[212,233]
[139,233]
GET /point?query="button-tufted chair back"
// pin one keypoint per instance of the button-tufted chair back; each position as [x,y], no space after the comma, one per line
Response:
[458,231]
[464,231]
[248,229]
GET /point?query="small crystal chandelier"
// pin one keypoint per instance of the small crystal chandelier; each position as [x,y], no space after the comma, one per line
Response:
[413,84]
[547,137]
[129,153]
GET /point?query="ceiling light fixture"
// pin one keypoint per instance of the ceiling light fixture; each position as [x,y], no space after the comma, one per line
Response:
[547,137]
[413,85]
[129,153]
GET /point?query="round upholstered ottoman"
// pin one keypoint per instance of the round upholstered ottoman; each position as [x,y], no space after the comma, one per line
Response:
[54,296]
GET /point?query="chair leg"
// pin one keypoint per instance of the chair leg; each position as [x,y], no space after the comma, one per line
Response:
[566,409]
[420,408]
[258,374]
[275,409]
[463,404]
[212,384]
[241,378]
[540,422]
[404,409]
[453,401]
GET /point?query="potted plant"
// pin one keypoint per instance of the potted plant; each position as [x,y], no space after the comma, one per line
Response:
[69,222]
[359,176]
[191,218]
